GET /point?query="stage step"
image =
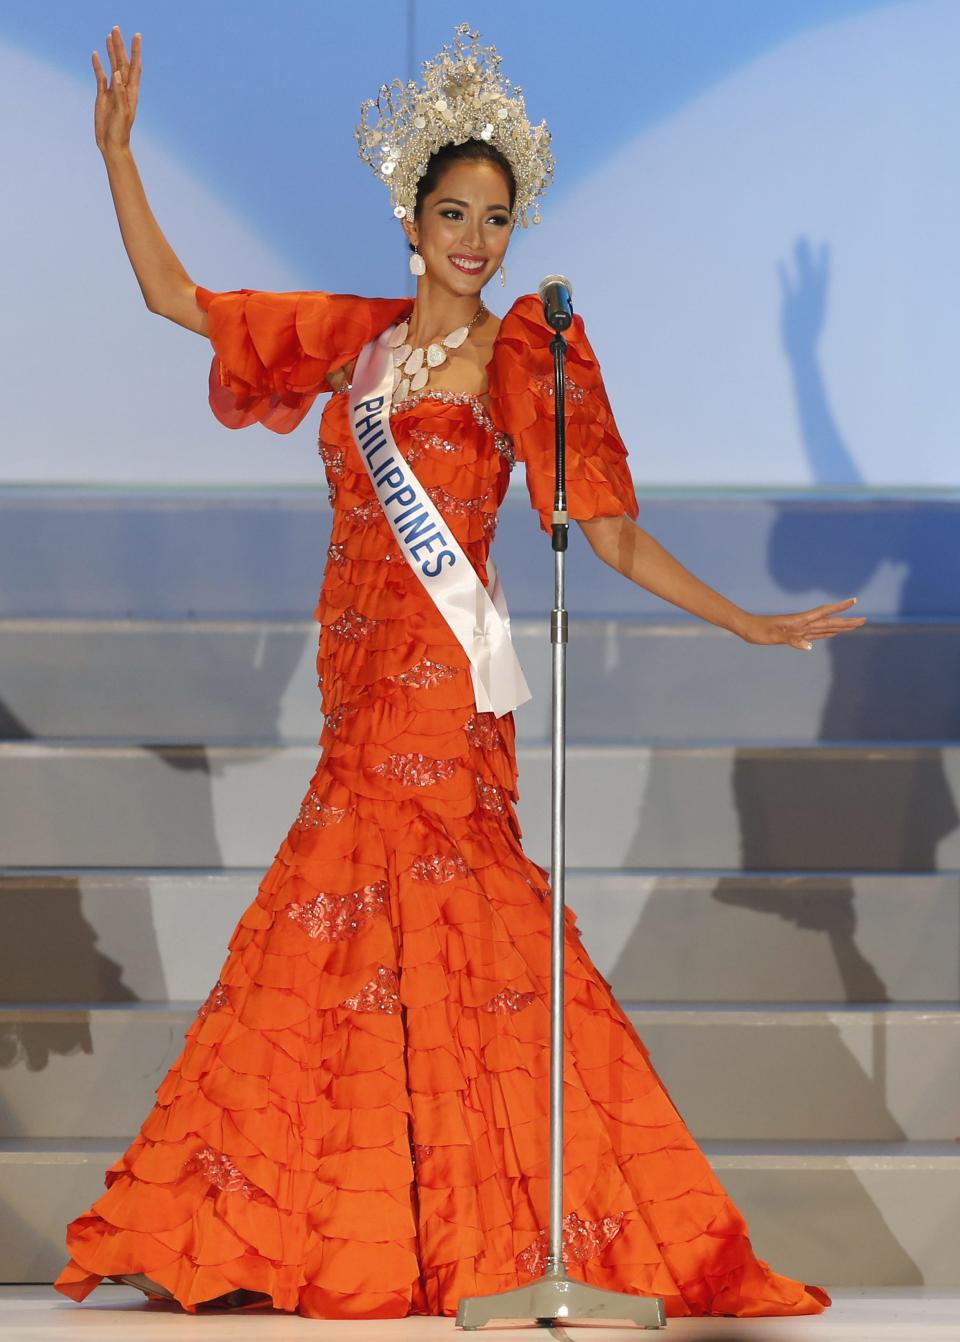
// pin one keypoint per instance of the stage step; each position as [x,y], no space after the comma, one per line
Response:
[629,679]
[77,935]
[856,808]
[248,551]
[864,1074]
[883,1215]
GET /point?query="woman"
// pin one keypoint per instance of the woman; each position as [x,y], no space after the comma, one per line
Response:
[357,1124]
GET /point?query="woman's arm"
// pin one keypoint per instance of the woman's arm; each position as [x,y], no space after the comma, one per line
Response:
[633,552]
[166,287]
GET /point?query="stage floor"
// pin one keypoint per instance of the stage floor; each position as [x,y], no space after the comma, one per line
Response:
[119,1314]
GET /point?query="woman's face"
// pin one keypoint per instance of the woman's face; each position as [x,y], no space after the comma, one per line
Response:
[464,226]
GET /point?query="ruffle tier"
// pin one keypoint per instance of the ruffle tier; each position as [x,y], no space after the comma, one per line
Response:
[357,1126]
[273,351]
[599,482]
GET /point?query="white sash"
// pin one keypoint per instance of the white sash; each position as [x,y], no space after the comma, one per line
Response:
[480,625]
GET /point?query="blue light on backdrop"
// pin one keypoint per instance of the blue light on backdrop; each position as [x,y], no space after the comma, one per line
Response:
[773,184]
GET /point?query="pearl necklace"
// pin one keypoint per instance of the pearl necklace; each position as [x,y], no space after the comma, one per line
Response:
[412,365]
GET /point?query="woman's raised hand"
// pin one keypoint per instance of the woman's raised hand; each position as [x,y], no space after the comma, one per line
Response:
[800,630]
[166,287]
[116,105]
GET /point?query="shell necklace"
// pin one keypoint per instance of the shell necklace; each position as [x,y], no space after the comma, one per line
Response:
[412,365]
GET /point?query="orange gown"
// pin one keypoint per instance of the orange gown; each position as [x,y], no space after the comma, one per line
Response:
[357,1125]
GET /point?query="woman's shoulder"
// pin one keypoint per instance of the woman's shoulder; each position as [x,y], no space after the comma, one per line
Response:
[522,357]
[525,306]
[206,296]
[525,324]
[274,350]
[525,315]
[303,305]
[522,404]
[283,329]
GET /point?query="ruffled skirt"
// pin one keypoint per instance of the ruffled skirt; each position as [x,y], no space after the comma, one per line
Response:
[357,1126]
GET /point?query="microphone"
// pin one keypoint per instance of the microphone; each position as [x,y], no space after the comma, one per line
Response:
[556,292]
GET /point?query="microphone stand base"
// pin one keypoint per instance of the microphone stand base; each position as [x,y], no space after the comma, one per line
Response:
[555,1298]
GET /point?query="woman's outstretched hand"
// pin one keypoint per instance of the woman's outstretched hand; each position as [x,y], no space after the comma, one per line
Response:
[116,105]
[802,629]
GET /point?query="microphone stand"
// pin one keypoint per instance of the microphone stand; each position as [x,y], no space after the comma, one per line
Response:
[554,1297]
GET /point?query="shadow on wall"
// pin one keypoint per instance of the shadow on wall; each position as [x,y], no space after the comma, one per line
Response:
[810,811]
[52,926]
[838,808]
[841,804]
[48,953]
[922,544]
[815,817]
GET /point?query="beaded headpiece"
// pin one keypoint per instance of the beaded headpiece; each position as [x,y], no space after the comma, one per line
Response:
[463,97]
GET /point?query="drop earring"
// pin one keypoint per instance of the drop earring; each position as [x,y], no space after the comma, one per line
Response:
[417,264]
[503,277]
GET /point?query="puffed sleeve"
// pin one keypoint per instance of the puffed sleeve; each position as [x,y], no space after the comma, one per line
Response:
[599,483]
[272,352]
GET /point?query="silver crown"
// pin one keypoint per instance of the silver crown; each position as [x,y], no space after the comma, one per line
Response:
[463,97]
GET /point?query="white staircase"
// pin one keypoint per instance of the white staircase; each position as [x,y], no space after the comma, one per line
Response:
[764,846]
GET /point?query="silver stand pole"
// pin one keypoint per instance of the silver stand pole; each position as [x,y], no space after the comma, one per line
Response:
[554,1297]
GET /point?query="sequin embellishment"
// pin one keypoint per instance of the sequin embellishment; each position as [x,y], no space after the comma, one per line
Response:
[336,917]
[445,397]
[332,457]
[338,554]
[334,719]
[481,729]
[480,412]
[364,512]
[382,993]
[489,797]
[541,894]
[353,626]
[415,770]
[317,814]
[508,1001]
[424,675]
[582,1240]
[421,1153]
[439,869]
[217,999]
[576,394]
[504,445]
[420,441]
[221,1172]
[451,505]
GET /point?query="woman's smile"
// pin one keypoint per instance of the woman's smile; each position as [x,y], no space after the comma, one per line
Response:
[470,265]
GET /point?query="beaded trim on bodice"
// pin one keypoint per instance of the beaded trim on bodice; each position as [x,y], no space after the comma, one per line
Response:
[480,412]
[501,441]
